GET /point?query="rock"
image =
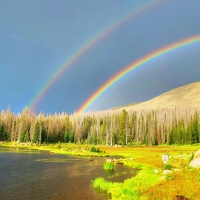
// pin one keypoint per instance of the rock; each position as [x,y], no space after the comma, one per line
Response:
[195,163]
[197,154]
[166,172]
[120,163]
[165,159]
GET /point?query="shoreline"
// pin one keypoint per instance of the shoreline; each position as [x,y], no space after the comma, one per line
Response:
[59,148]
[150,180]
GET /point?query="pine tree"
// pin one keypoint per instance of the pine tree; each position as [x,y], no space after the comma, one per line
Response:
[67,136]
[2,132]
[26,137]
[36,133]
[123,125]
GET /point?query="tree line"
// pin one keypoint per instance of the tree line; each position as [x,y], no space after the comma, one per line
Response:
[121,127]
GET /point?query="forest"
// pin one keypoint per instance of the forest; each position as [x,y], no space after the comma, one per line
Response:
[178,125]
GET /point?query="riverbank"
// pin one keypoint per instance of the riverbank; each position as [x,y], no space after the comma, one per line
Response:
[150,182]
[60,148]
[155,180]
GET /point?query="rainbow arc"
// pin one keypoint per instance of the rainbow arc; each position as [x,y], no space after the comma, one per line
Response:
[134,65]
[81,51]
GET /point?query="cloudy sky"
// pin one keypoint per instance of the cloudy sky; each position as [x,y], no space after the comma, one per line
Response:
[55,54]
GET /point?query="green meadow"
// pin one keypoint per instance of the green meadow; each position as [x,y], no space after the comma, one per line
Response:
[149,182]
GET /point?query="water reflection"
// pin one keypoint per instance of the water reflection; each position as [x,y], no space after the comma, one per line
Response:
[39,175]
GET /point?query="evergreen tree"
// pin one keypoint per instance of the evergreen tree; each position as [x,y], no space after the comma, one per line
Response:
[195,129]
[36,133]
[67,136]
[26,137]
[95,141]
[22,136]
[2,132]
[123,129]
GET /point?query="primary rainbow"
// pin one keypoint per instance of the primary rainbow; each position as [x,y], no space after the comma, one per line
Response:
[134,65]
[58,73]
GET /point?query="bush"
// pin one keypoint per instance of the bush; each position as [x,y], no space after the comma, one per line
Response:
[168,166]
[95,149]
[57,145]
[169,177]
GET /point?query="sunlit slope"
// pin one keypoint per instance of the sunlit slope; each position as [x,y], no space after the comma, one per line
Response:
[184,96]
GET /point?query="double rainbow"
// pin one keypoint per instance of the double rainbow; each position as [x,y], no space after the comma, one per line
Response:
[134,65]
[59,72]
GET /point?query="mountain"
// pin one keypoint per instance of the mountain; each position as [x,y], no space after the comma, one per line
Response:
[184,96]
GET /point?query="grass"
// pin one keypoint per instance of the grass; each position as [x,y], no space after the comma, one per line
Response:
[60,148]
[131,188]
[109,166]
[146,184]
[150,185]
[189,91]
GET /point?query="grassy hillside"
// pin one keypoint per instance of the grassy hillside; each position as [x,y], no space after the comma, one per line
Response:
[185,96]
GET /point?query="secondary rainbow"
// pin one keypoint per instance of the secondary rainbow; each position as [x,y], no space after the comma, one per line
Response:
[134,65]
[58,73]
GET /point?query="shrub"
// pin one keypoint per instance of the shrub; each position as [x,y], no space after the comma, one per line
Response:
[169,177]
[168,166]
[95,149]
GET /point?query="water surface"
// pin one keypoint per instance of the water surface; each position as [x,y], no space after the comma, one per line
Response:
[38,175]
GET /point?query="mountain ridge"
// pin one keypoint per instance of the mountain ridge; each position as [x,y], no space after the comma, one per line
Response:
[184,96]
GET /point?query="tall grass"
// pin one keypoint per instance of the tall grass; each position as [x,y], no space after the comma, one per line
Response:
[146,184]
[109,166]
[150,185]
[60,148]
[132,188]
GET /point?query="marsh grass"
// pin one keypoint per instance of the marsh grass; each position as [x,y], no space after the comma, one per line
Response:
[60,148]
[131,188]
[119,174]
[110,166]
[148,185]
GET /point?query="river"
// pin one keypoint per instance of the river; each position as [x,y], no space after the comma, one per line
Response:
[38,175]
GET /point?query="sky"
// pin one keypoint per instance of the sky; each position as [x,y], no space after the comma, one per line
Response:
[54,55]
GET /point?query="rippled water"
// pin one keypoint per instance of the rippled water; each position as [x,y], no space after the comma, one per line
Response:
[38,175]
